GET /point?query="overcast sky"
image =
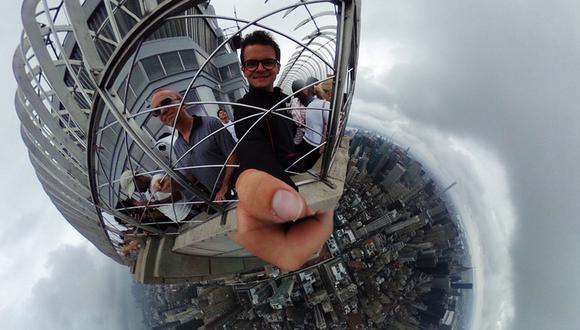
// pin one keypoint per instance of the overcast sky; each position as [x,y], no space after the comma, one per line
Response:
[484,92]
[50,276]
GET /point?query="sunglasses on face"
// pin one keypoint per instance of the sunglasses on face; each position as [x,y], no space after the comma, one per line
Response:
[165,102]
[268,64]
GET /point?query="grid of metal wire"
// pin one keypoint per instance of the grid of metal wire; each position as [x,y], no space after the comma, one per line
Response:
[86,72]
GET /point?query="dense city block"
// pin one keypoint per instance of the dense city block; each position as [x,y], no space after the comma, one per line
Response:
[397,260]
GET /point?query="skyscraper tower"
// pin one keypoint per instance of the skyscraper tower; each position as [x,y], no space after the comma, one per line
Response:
[464,286]
[394,175]
[86,71]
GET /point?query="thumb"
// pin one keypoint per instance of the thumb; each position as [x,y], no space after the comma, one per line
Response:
[268,199]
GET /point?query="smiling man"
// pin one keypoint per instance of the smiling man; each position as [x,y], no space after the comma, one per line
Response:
[269,145]
[274,221]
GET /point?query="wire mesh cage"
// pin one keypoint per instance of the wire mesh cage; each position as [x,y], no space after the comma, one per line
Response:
[132,109]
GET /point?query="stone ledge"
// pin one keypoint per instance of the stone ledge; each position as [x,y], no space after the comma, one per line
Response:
[205,252]
[211,238]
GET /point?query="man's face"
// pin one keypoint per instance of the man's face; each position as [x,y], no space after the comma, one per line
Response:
[223,116]
[167,114]
[260,77]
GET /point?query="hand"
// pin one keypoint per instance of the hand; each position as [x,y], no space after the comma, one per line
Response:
[221,194]
[162,185]
[130,247]
[266,211]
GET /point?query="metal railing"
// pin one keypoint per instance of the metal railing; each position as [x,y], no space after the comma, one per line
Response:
[119,135]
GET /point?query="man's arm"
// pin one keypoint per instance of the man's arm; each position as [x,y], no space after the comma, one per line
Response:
[166,185]
[175,196]
[226,144]
[226,183]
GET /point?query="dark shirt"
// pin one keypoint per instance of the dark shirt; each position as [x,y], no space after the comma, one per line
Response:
[212,151]
[269,145]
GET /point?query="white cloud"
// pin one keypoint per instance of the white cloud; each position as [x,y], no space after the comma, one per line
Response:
[83,289]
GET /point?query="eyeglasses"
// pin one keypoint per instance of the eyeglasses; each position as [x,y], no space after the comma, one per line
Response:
[268,64]
[165,102]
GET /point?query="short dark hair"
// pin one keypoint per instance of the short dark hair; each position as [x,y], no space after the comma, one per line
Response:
[259,37]
[220,110]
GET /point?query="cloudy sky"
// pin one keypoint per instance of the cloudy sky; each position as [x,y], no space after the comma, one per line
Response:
[483,92]
[50,276]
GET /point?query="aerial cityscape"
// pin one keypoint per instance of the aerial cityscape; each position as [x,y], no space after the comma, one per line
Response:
[397,260]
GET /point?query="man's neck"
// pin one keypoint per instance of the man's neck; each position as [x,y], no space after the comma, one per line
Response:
[269,89]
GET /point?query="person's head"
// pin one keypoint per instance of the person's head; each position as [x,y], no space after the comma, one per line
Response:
[260,58]
[130,183]
[301,93]
[297,85]
[324,90]
[310,81]
[223,115]
[164,98]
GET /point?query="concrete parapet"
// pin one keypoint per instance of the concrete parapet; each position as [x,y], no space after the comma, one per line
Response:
[157,263]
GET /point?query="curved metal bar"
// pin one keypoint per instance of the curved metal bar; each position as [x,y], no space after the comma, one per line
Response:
[91,60]
[111,14]
[313,17]
[294,57]
[305,62]
[43,93]
[308,68]
[348,37]
[302,69]
[289,10]
[107,19]
[321,46]
[324,35]
[304,156]
[42,112]
[324,47]
[330,28]
[62,52]
[299,74]
[253,23]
